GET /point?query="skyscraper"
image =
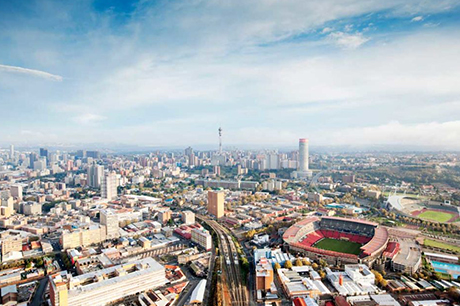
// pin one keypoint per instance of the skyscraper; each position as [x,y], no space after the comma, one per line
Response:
[302,165]
[216,203]
[95,173]
[109,186]
[11,151]
[303,155]
[43,152]
[110,220]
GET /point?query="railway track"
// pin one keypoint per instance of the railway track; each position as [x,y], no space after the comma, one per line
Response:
[232,266]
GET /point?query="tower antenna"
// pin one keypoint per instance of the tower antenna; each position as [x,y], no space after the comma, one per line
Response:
[220,140]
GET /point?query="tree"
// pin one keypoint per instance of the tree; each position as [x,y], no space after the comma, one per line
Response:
[250,234]
[315,266]
[288,264]
[298,262]
[454,293]
[306,262]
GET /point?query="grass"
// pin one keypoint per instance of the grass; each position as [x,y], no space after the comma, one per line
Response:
[342,246]
[441,245]
[436,216]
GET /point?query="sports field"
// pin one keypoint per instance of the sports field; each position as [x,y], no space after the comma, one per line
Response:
[342,246]
[441,245]
[436,216]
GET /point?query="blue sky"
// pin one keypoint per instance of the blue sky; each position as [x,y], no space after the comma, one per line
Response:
[169,73]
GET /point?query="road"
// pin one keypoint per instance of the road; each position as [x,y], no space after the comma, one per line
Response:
[38,299]
[185,294]
[229,252]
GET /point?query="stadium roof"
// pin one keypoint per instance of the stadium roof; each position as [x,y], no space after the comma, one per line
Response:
[351,220]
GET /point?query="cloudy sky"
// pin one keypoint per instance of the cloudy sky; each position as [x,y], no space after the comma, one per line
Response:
[169,73]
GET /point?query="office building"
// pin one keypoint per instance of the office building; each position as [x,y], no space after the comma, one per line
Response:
[93,154]
[107,285]
[302,166]
[40,164]
[303,155]
[164,215]
[81,237]
[188,217]
[32,208]
[110,220]
[95,173]
[216,203]
[32,158]
[44,152]
[11,244]
[202,237]
[16,191]
[109,186]
[12,152]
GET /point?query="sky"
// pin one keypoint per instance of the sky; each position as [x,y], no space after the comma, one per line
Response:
[169,73]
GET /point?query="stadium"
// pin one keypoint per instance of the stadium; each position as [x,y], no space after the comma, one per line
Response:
[337,240]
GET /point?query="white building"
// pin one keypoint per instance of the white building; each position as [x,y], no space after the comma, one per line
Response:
[356,280]
[110,220]
[16,191]
[107,285]
[109,186]
[188,217]
[202,238]
[95,173]
[302,166]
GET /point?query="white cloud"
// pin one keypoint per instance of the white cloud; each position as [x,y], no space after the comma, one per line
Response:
[444,135]
[327,30]
[89,118]
[32,72]
[348,41]
[417,18]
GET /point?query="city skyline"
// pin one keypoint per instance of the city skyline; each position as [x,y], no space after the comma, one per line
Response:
[169,74]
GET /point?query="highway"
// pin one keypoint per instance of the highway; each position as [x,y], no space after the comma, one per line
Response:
[232,267]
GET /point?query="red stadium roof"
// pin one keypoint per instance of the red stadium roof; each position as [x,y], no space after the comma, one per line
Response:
[294,229]
[391,250]
[352,220]
[377,242]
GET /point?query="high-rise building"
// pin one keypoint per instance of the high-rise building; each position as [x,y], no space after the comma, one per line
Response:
[16,191]
[95,173]
[11,244]
[202,238]
[40,164]
[32,158]
[302,166]
[303,155]
[109,186]
[164,215]
[188,217]
[11,151]
[93,154]
[110,220]
[216,201]
[32,208]
[43,152]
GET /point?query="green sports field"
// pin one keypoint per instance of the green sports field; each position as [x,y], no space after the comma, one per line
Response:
[441,245]
[436,216]
[342,246]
